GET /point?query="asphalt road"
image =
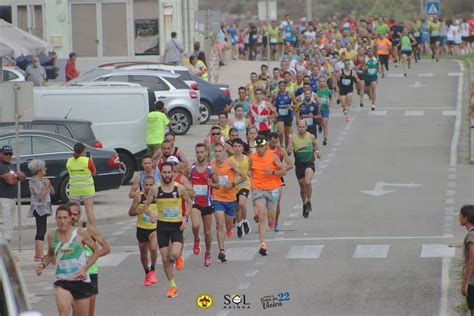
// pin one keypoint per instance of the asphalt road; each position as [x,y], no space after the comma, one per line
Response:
[386,195]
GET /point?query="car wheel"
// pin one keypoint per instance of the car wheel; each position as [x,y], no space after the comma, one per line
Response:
[180,121]
[63,190]
[128,166]
[206,110]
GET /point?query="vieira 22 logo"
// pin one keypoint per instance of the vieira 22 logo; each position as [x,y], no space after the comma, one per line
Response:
[277,300]
[235,301]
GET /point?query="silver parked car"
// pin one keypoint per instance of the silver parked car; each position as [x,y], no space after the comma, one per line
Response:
[181,102]
[13,295]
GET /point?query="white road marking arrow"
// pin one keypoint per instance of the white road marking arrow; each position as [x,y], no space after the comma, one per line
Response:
[379,188]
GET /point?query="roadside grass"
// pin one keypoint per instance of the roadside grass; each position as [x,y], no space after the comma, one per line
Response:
[461,308]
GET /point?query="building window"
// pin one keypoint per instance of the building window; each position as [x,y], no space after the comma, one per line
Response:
[146,27]
[6,13]
[30,19]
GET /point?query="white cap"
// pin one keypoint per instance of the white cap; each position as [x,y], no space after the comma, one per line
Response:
[173,159]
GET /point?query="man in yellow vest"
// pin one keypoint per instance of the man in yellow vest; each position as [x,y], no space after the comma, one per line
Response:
[81,183]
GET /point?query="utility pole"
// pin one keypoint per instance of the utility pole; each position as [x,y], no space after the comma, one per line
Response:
[309,10]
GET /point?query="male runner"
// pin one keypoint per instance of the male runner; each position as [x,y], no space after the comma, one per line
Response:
[146,230]
[171,222]
[173,151]
[149,170]
[325,98]
[201,175]
[345,87]
[283,103]
[96,236]
[308,111]
[262,113]
[370,76]
[274,145]
[241,160]
[305,148]
[266,170]
[383,46]
[66,248]
[223,195]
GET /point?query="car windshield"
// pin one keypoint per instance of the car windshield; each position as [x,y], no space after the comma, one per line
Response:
[185,75]
[91,75]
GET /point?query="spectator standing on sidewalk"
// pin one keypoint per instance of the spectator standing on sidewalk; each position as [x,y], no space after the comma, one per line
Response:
[215,58]
[198,53]
[155,127]
[40,206]
[71,70]
[9,178]
[36,73]
[173,51]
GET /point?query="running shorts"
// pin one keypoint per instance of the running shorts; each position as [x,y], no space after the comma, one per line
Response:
[369,80]
[406,52]
[434,39]
[205,210]
[166,231]
[143,235]
[287,120]
[343,90]
[229,208]
[269,196]
[470,296]
[264,133]
[243,192]
[78,289]
[95,283]
[300,168]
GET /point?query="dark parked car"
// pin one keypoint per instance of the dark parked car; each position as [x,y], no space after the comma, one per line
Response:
[80,130]
[49,63]
[55,150]
[214,98]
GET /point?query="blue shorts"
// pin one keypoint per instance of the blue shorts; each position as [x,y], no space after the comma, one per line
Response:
[230,208]
[324,114]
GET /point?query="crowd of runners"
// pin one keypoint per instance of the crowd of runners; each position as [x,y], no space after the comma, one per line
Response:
[270,129]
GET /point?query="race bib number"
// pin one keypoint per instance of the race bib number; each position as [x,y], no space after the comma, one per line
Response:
[223,180]
[435,33]
[145,217]
[274,41]
[259,119]
[275,194]
[416,34]
[200,189]
[346,82]
[371,71]
[309,121]
[170,212]
[324,100]
[283,111]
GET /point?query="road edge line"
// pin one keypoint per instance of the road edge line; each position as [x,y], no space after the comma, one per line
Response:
[457,125]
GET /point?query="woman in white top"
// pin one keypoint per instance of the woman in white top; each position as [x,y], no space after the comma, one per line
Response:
[452,31]
[465,37]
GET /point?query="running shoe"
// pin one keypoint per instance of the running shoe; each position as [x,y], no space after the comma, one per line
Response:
[147,279]
[325,142]
[153,278]
[373,108]
[239,230]
[310,207]
[306,210]
[221,256]
[172,292]
[180,263]
[277,227]
[172,263]
[320,129]
[344,112]
[207,260]
[383,75]
[271,226]
[196,248]
[263,249]
[247,228]
[229,233]
[361,105]
[405,74]
[346,118]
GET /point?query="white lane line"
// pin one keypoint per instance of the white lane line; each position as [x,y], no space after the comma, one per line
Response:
[427,74]
[451,184]
[330,155]
[288,223]
[340,138]
[452,176]
[452,169]
[377,113]
[244,285]
[455,74]
[450,192]
[371,251]
[457,124]
[337,144]
[323,166]
[450,201]
[293,215]
[298,206]
[443,310]
[118,232]
[261,261]
[333,149]
[437,251]
[450,113]
[395,75]
[251,273]
[448,219]
[414,113]
[240,254]
[318,173]
[129,221]
[449,209]
[113,259]
[305,252]
[326,161]
[223,313]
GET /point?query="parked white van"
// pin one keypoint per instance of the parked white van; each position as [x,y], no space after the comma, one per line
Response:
[118,116]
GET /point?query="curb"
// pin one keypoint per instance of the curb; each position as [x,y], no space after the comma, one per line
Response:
[471,109]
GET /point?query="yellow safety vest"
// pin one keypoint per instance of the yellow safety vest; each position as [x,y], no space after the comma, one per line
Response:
[80,177]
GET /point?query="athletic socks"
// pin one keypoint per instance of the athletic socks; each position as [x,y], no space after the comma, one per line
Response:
[172,283]
[152,267]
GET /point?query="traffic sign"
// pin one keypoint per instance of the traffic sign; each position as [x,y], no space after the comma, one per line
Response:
[432,8]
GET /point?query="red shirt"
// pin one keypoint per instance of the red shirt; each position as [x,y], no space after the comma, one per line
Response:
[258,114]
[201,187]
[71,70]
[471,25]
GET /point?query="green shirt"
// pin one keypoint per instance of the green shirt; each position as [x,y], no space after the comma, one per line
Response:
[303,148]
[372,65]
[274,34]
[155,127]
[324,96]
[406,43]
[434,27]
[381,28]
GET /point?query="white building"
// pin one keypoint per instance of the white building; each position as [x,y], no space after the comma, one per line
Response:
[101,31]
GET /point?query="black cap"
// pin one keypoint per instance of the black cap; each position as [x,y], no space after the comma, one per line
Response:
[261,140]
[7,149]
